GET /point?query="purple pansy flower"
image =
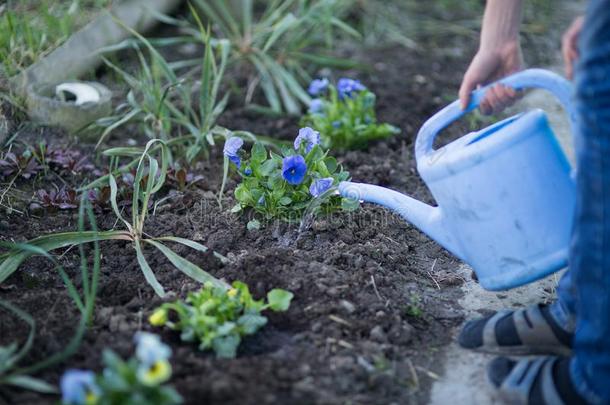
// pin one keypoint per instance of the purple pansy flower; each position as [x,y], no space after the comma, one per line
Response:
[232,147]
[320,186]
[317,86]
[346,87]
[77,386]
[309,136]
[294,169]
[316,106]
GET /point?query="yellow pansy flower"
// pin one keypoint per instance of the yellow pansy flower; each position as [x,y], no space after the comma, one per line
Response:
[155,374]
[158,318]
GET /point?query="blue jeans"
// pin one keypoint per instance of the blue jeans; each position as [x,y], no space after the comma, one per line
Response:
[584,292]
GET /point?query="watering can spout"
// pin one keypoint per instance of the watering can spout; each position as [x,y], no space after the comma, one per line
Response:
[423,216]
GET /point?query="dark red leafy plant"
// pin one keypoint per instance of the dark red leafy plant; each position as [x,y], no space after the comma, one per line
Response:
[69,160]
[181,177]
[63,199]
[24,165]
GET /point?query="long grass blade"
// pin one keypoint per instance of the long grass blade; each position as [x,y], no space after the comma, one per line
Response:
[190,269]
[148,273]
[13,259]
[27,318]
[193,245]
[30,383]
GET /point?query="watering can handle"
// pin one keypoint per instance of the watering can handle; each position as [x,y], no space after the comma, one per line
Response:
[530,78]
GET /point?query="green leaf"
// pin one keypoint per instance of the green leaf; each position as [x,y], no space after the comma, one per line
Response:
[258,153]
[13,259]
[192,245]
[279,300]
[285,200]
[251,323]
[268,167]
[148,273]
[31,383]
[253,225]
[331,164]
[185,266]
[242,194]
[276,158]
[226,346]
[275,182]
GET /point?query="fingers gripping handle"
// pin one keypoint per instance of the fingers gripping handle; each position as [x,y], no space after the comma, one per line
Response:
[530,78]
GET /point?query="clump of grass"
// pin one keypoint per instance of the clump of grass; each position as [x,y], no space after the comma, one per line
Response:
[278,44]
[31,29]
[12,371]
[161,101]
[149,178]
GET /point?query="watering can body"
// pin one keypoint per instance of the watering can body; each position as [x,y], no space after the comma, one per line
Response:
[505,194]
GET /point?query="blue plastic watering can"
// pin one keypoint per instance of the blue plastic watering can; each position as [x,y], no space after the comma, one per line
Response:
[505,194]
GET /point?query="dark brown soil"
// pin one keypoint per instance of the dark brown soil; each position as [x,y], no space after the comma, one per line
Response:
[374,298]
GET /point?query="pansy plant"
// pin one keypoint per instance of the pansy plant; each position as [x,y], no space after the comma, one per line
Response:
[284,186]
[216,318]
[345,114]
[140,380]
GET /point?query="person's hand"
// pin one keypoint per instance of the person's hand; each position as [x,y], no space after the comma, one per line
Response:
[488,66]
[569,45]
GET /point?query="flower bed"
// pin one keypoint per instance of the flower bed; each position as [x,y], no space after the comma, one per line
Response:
[367,311]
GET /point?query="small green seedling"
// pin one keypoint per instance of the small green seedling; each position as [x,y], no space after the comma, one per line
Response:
[414,308]
[218,318]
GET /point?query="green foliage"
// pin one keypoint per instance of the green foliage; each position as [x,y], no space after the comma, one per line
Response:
[348,123]
[149,178]
[218,318]
[31,29]
[277,42]
[161,101]
[414,307]
[11,371]
[265,185]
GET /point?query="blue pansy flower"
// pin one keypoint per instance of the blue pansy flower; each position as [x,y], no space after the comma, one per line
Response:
[309,136]
[232,147]
[248,171]
[78,387]
[153,355]
[337,124]
[317,86]
[316,106]
[294,169]
[319,186]
[150,348]
[346,87]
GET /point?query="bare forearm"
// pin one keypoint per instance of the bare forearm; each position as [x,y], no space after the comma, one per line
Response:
[501,24]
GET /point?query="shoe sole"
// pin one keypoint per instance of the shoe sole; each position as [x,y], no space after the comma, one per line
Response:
[524,350]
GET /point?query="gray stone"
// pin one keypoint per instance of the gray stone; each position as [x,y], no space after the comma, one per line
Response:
[378,335]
